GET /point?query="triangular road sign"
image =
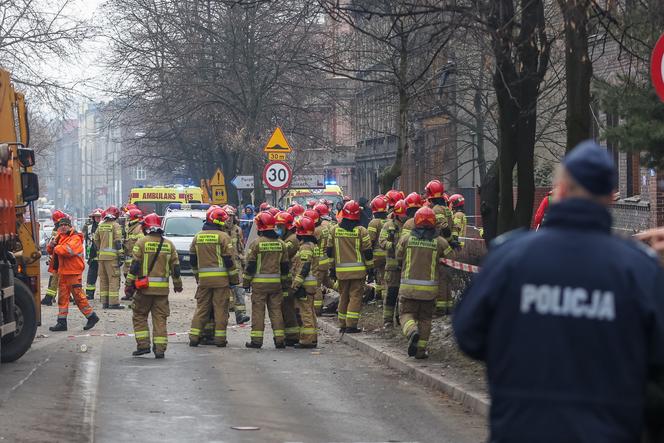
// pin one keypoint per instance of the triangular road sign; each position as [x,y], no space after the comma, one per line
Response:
[277,142]
[218,179]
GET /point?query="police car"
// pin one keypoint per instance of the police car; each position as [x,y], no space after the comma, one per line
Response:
[181,222]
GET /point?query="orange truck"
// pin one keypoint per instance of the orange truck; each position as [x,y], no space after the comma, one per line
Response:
[19,228]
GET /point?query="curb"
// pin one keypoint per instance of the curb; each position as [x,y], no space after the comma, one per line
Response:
[477,402]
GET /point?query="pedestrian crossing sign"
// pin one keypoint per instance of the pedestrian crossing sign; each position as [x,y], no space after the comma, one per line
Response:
[277,143]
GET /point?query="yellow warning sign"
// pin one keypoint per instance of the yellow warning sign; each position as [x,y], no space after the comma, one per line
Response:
[218,188]
[277,143]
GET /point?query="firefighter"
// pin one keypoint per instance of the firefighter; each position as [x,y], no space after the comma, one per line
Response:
[239,304]
[457,204]
[286,231]
[91,252]
[154,260]
[324,226]
[108,240]
[211,255]
[387,241]
[379,211]
[435,192]
[419,254]
[350,248]
[393,196]
[305,282]
[53,279]
[413,202]
[134,231]
[296,210]
[266,276]
[321,255]
[264,207]
[69,265]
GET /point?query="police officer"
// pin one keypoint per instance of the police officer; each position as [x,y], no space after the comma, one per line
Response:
[419,255]
[352,255]
[108,240]
[266,274]
[569,319]
[154,260]
[211,255]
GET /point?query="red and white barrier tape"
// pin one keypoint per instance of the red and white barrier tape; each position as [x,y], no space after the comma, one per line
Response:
[129,334]
[460,266]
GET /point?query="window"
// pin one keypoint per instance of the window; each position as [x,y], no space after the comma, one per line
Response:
[140,173]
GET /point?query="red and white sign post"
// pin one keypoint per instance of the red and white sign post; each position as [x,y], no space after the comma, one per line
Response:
[277,175]
[657,67]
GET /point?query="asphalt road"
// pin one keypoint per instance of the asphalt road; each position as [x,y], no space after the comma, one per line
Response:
[60,391]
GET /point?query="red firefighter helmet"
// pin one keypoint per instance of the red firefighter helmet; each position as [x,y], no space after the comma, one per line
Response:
[112,212]
[305,226]
[379,204]
[210,209]
[296,210]
[96,212]
[322,209]
[311,204]
[400,208]
[284,218]
[57,215]
[217,216]
[312,214]
[130,206]
[264,221]
[351,211]
[393,196]
[457,201]
[152,223]
[414,200]
[347,198]
[273,211]
[425,218]
[434,189]
[230,210]
[135,214]
[264,207]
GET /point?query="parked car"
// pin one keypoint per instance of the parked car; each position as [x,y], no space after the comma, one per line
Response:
[181,223]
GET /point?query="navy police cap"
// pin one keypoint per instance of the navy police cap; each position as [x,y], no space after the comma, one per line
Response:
[592,167]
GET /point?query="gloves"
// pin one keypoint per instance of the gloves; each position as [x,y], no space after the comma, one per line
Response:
[130,290]
[333,273]
[300,293]
[454,244]
[371,276]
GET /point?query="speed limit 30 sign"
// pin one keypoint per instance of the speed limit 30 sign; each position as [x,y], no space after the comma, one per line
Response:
[657,67]
[277,175]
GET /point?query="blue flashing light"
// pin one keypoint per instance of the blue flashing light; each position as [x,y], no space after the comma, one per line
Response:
[188,206]
[330,182]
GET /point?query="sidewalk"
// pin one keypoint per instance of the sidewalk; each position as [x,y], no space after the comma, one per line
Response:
[429,373]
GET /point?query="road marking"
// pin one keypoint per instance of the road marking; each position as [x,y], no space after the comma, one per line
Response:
[32,371]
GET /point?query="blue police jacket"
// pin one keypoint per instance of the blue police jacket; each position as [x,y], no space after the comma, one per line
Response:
[569,320]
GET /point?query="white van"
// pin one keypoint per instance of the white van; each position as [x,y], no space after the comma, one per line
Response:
[181,222]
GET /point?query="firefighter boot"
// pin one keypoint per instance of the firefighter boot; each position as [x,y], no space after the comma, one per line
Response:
[158,353]
[92,321]
[305,345]
[241,318]
[253,345]
[61,325]
[118,306]
[421,354]
[279,345]
[413,338]
[140,351]
[47,300]
[291,342]
[353,330]
[90,295]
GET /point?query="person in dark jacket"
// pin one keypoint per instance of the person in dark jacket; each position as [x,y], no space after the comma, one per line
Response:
[365,213]
[569,319]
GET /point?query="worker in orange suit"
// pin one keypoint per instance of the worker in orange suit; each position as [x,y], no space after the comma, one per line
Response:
[70,266]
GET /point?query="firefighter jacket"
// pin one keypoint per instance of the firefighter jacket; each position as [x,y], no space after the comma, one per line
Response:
[108,240]
[571,333]
[322,234]
[444,220]
[69,250]
[305,268]
[88,231]
[211,255]
[351,252]
[459,226]
[166,265]
[387,240]
[292,246]
[408,227]
[267,264]
[52,258]
[374,229]
[419,255]
[134,232]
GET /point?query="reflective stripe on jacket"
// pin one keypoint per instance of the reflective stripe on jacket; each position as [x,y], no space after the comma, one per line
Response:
[348,252]
[420,265]
[209,247]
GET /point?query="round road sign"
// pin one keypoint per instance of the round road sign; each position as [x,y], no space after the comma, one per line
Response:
[657,67]
[277,175]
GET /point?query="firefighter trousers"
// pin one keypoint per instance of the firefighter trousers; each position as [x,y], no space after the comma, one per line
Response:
[207,299]
[323,280]
[291,326]
[380,280]
[272,299]
[157,305]
[350,302]
[53,284]
[109,281]
[238,302]
[91,277]
[71,285]
[392,280]
[416,315]
[306,318]
[444,302]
